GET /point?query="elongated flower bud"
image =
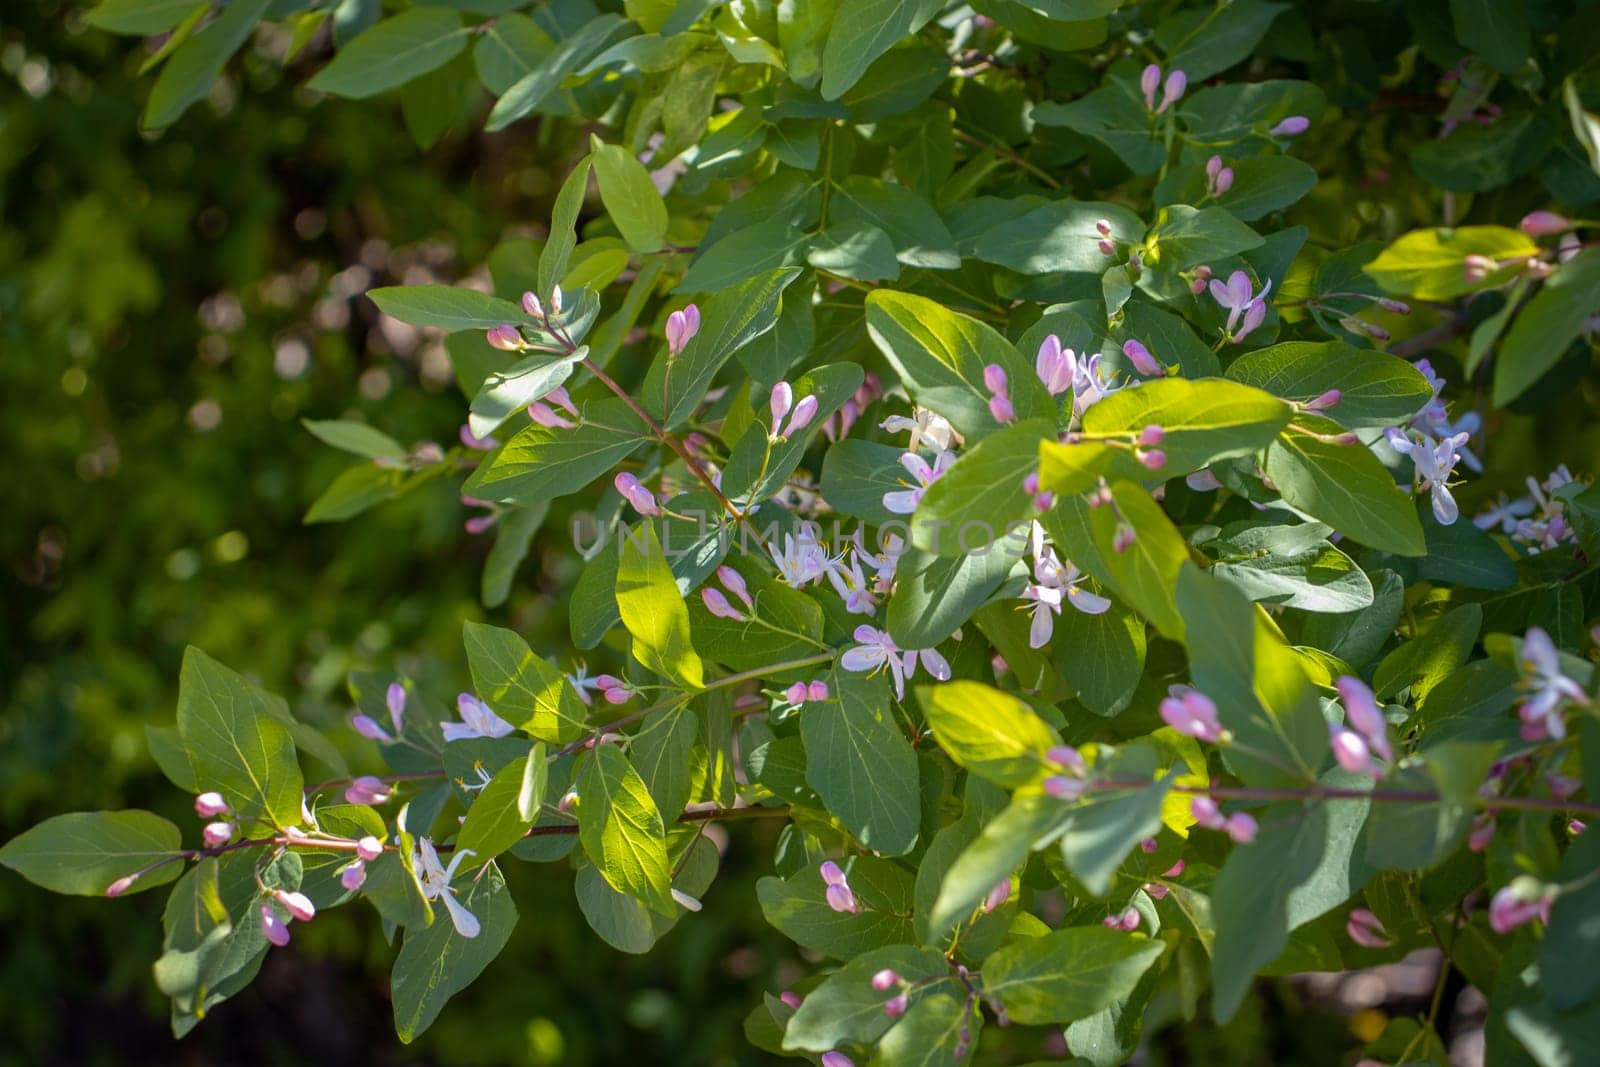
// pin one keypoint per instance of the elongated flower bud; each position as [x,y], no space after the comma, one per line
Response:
[1293,126]
[1242,827]
[353,875]
[791,998]
[832,873]
[840,899]
[209,804]
[1172,92]
[1149,82]
[368,727]
[796,693]
[1476,268]
[804,412]
[395,699]
[681,328]
[1366,929]
[368,790]
[1060,787]
[718,605]
[1068,759]
[837,1059]
[275,929]
[781,401]
[1544,223]
[1142,360]
[506,338]
[555,300]
[734,583]
[1153,459]
[298,905]
[895,1006]
[997,896]
[635,493]
[530,304]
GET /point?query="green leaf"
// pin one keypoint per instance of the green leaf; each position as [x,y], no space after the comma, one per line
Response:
[631,200]
[1478,158]
[521,687]
[996,853]
[213,945]
[729,321]
[1146,571]
[1428,264]
[355,490]
[860,762]
[1427,659]
[1495,29]
[1291,567]
[393,52]
[435,963]
[845,1007]
[531,90]
[504,809]
[1203,42]
[982,495]
[1376,389]
[235,745]
[1418,835]
[918,234]
[855,250]
[1261,185]
[1567,952]
[357,438]
[1101,656]
[1184,236]
[512,539]
[1547,326]
[621,830]
[758,467]
[542,462]
[1058,237]
[1344,486]
[447,307]
[84,852]
[934,595]
[1116,116]
[1067,974]
[992,734]
[871,29]
[940,356]
[856,474]
[504,393]
[1204,421]
[140,17]
[1100,833]
[797,907]
[194,67]
[627,925]
[663,753]
[653,610]
[770,245]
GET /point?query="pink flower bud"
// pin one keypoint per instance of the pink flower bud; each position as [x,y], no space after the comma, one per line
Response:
[1361,711]
[831,873]
[298,905]
[1366,929]
[367,790]
[780,403]
[1103,228]
[1293,126]
[817,691]
[555,300]
[1223,183]
[1520,902]
[1151,435]
[681,328]
[634,492]
[1043,501]
[618,695]
[368,727]
[474,442]
[1154,459]
[804,412]
[561,399]
[837,1059]
[369,848]
[1324,401]
[1206,812]
[1563,786]
[997,896]
[1063,788]
[994,378]
[1149,846]
[895,1006]
[1175,870]
[1142,360]
[840,899]
[1242,827]
[1476,268]
[1577,826]
[1106,247]
[1126,920]
[1482,832]
[275,929]
[1213,168]
[1395,307]
[718,604]
[353,875]
[1543,224]
[530,304]
[885,979]
[1000,409]
[1192,713]
[121,885]
[796,693]
[1155,892]
[1068,759]
[1149,82]
[1351,752]
[1172,92]
[791,998]
[1030,484]
[505,338]
[543,415]
[1123,538]
[209,804]
[217,834]
[477,525]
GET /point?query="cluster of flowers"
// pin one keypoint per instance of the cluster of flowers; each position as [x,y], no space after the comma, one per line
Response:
[1536,521]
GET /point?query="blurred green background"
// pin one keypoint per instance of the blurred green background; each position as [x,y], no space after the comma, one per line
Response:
[169,308]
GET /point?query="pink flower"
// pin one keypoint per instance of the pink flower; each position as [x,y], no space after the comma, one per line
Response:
[1142,360]
[505,338]
[997,896]
[217,834]
[885,979]
[1544,223]
[367,790]
[1366,930]
[1242,827]
[1192,713]
[275,929]
[368,727]
[477,720]
[353,875]
[1068,759]
[209,804]
[1149,82]
[1238,297]
[681,328]
[817,691]
[635,493]
[1361,711]
[369,848]
[1524,900]
[718,605]
[298,905]
[1293,126]
[734,583]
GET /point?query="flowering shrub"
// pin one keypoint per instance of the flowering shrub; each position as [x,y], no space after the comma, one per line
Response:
[996,484]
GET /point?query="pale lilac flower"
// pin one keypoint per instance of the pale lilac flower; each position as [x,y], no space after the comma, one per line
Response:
[477,720]
[274,928]
[1149,82]
[896,1005]
[1143,362]
[486,443]
[1351,752]
[877,651]
[1172,91]
[1504,513]
[718,605]
[1544,224]
[926,427]
[837,1059]
[1202,481]
[796,693]
[208,804]
[1361,711]
[1366,929]
[817,690]
[1549,689]
[217,834]
[801,560]
[636,494]
[1055,582]
[838,894]
[368,790]
[681,328]
[804,411]
[298,905]
[905,501]
[931,661]
[1482,831]
[1060,787]
[1054,366]
[1000,409]
[368,727]
[353,875]
[852,585]
[997,896]
[1193,714]
[1239,298]
[1521,902]
[435,880]
[506,338]
[1241,826]
[369,848]
[1434,462]
[1324,401]
[1577,826]
[1293,126]
[531,305]
[1068,759]
[1563,786]
[582,682]
[1126,920]
[1219,179]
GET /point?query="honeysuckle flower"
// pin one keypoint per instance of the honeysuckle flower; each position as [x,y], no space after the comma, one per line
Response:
[507,338]
[1173,90]
[394,698]
[1219,179]
[1090,384]
[791,998]
[435,880]
[1241,826]
[1055,582]
[478,444]
[1202,481]
[1152,459]
[530,304]
[718,605]
[1143,362]
[1524,900]
[369,848]
[636,494]
[905,501]
[544,415]
[368,727]
[613,690]
[1482,831]
[782,402]
[1106,246]
[836,1059]
[582,682]
[852,585]
[1434,462]
[1350,751]
[817,690]
[838,894]
[681,328]
[896,1005]
[734,583]
[1054,366]
[994,379]
[997,896]
[274,928]
[555,300]
[1068,759]
[353,875]
[208,804]
[876,651]
[217,834]
[1293,126]
[477,720]
[1549,689]
[1366,929]
[1126,920]
[796,693]
[886,979]
[1543,224]
[1362,713]
[1061,787]
[1149,82]
[931,661]
[298,905]
[1475,268]
[367,790]
[801,560]
[926,427]
[1193,714]
[1238,297]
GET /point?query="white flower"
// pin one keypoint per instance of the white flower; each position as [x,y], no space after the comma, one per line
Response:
[905,501]
[582,682]
[435,880]
[1549,689]
[801,560]
[1055,583]
[1434,461]
[477,720]
[876,651]
[852,586]
[925,426]
[1504,513]
[1434,418]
